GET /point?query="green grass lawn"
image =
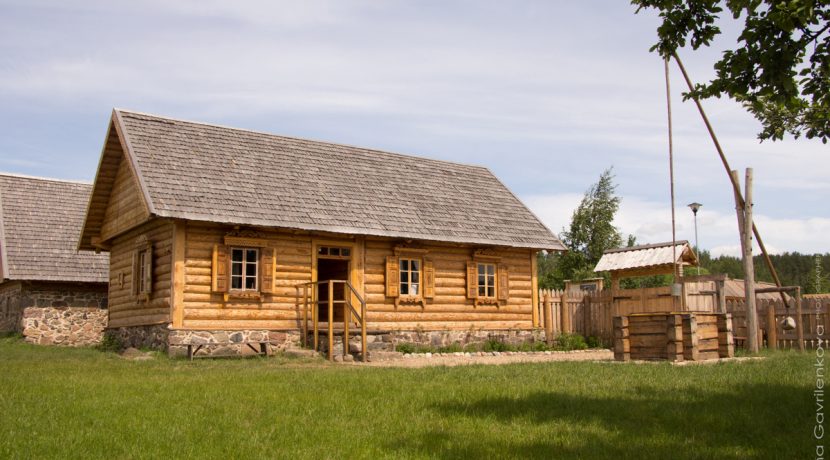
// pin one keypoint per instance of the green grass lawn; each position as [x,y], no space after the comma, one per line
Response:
[82,403]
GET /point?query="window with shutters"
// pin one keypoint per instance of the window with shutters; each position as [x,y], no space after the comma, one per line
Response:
[244,269]
[410,274]
[486,280]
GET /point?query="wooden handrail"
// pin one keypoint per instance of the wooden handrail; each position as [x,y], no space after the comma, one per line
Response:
[347,303]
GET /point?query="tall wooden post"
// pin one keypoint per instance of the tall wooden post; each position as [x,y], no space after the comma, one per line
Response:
[720,285]
[799,326]
[772,327]
[548,319]
[331,320]
[749,269]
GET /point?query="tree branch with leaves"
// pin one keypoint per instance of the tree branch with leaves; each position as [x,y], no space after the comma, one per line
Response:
[779,69]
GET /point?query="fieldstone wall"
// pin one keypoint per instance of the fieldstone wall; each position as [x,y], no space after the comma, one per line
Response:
[223,343]
[65,309]
[387,341]
[67,326]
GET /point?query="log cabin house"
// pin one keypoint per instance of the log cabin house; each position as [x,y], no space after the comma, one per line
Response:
[214,234]
[49,291]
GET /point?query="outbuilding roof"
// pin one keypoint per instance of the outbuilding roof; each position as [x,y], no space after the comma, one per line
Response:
[203,172]
[40,220]
[646,256]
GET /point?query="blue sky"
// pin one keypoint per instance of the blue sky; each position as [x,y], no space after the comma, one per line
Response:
[547,94]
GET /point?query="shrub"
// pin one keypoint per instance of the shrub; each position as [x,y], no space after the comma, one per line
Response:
[593,342]
[110,342]
[497,345]
[405,348]
[566,342]
[454,347]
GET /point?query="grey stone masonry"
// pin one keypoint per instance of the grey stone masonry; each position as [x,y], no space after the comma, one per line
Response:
[68,326]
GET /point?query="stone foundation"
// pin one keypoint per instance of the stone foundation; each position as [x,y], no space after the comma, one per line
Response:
[68,326]
[155,337]
[387,341]
[224,343]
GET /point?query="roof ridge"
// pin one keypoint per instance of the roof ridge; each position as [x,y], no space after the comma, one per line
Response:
[50,179]
[338,144]
[646,246]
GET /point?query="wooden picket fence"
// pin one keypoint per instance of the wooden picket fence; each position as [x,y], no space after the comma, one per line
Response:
[592,313]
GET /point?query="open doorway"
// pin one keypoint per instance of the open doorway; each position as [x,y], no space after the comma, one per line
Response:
[331,269]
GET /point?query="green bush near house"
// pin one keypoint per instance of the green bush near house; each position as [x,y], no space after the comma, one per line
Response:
[81,403]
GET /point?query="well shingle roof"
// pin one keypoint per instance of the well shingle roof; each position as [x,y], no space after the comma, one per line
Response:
[645,256]
[210,173]
[41,222]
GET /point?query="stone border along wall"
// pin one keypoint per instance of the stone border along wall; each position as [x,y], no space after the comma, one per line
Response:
[68,326]
[226,343]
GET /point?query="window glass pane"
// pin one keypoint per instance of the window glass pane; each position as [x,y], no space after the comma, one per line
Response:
[481,280]
[251,256]
[416,277]
[236,268]
[404,289]
[404,264]
[345,252]
[491,280]
[250,283]
[404,277]
[415,265]
[236,255]
[250,270]
[481,291]
[481,269]
[491,269]
[322,250]
[236,282]
[334,251]
[491,291]
[414,288]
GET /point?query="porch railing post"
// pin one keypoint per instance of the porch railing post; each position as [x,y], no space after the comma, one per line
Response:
[331,320]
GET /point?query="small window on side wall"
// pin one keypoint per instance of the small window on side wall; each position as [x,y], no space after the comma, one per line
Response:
[143,271]
[486,280]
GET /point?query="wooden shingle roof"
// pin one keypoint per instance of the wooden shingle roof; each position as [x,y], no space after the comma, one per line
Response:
[40,221]
[203,172]
[646,256]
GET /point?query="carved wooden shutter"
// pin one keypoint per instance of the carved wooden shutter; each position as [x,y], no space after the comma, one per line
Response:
[220,281]
[148,270]
[504,282]
[392,276]
[472,279]
[268,258]
[429,280]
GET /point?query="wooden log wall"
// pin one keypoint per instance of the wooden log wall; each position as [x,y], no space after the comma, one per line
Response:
[125,308]
[207,310]
[450,308]
[691,336]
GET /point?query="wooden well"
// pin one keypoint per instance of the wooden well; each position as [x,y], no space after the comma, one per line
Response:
[675,336]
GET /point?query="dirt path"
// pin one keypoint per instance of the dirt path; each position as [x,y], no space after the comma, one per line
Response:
[460,359]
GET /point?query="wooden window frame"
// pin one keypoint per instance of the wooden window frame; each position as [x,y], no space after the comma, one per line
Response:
[245,263]
[408,296]
[142,276]
[486,285]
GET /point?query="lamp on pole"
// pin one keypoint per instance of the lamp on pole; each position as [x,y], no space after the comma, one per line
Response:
[695,207]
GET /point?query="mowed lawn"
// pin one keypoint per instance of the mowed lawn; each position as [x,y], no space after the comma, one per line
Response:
[82,403]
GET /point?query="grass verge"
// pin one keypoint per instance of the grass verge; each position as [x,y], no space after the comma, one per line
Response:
[83,403]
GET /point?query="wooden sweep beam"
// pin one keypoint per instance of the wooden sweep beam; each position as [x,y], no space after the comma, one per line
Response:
[735,186]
